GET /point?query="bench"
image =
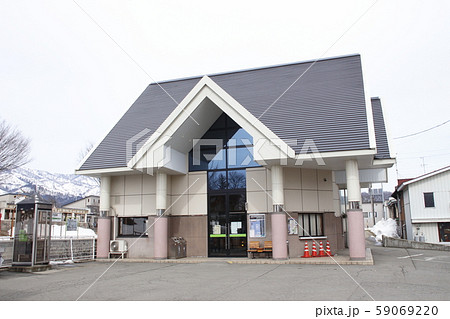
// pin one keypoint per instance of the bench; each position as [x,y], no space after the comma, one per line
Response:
[255,248]
[268,247]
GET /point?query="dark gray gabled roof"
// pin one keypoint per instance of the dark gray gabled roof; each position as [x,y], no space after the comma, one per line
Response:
[325,104]
[34,199]
[380,130]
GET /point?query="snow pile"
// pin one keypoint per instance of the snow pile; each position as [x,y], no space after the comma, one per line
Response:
[61,232]
[386,227]
[61,262]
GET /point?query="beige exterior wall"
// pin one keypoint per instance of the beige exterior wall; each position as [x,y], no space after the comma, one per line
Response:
[135,195]
[305,190]
[189,194]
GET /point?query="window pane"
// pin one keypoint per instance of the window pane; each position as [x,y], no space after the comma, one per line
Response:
[214,160]
[241,157]
[140,226]
[218,136]
[231,123]
[306,229]
[237,203]
[313,223]
[217,204]
[319,231]
[208,159]
[238,137]
[310,225]
[429,199]
[236,179]
[132,226]
[217,180]
[220,122]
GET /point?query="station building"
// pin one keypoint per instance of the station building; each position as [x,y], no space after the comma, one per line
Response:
[251,155]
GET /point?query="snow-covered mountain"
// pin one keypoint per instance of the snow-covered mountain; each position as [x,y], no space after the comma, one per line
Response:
[61,187]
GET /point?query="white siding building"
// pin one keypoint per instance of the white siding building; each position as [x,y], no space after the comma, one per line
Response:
[425,201]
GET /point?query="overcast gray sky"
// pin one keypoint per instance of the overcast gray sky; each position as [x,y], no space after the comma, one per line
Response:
[65,83]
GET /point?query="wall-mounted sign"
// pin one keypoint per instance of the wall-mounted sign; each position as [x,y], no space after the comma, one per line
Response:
[257,225]
[56,217]
[71,225]
[292,227]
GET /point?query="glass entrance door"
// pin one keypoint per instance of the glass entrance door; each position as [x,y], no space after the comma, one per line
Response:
[227,225]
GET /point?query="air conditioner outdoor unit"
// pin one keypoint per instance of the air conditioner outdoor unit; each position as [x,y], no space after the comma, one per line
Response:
[118,246]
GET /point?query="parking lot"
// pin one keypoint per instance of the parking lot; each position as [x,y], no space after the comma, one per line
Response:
[398,274]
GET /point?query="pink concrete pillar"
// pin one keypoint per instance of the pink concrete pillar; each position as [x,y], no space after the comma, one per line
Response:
[161,221]
[160,237]
[103,236]
[356,238]
[279,235]
[278,216]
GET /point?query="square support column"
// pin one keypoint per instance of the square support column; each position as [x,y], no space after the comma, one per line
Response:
[161,222]
[278,216]
[104,220]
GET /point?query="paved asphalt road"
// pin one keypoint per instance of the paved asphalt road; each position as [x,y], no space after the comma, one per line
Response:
[398,274]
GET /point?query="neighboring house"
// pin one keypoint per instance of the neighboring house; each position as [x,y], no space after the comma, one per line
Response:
[91,203]
[62,214]
[8,205]
[7,211]
[251,155]
[424,202]
[378,211]
[374,210]
[84,210]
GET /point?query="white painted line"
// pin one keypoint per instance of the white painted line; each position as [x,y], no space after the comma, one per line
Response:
[435,261]
[409,256]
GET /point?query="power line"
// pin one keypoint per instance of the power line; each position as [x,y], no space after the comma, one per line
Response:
[431,128]
[412,157]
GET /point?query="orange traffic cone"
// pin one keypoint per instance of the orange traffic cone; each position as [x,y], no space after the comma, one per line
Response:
[306,254]
[328,252]
[314,250]
[321,251]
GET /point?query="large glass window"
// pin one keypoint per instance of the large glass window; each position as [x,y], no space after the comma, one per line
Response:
[133,226]
[310,225]
[224,146]
[225,151]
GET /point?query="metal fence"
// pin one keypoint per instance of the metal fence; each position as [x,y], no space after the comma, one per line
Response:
[6,248]
[73,249]
[60,250]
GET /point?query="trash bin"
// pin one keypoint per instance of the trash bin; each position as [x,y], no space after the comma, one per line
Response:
[177,247]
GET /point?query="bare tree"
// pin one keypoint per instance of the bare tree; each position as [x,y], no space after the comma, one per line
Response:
[85,151]
[82,154]
[14,148]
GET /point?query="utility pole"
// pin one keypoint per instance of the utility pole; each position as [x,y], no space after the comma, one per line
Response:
[372,204]
[423,164]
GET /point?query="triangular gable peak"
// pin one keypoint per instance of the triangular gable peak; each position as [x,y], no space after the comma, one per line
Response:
[169,145]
